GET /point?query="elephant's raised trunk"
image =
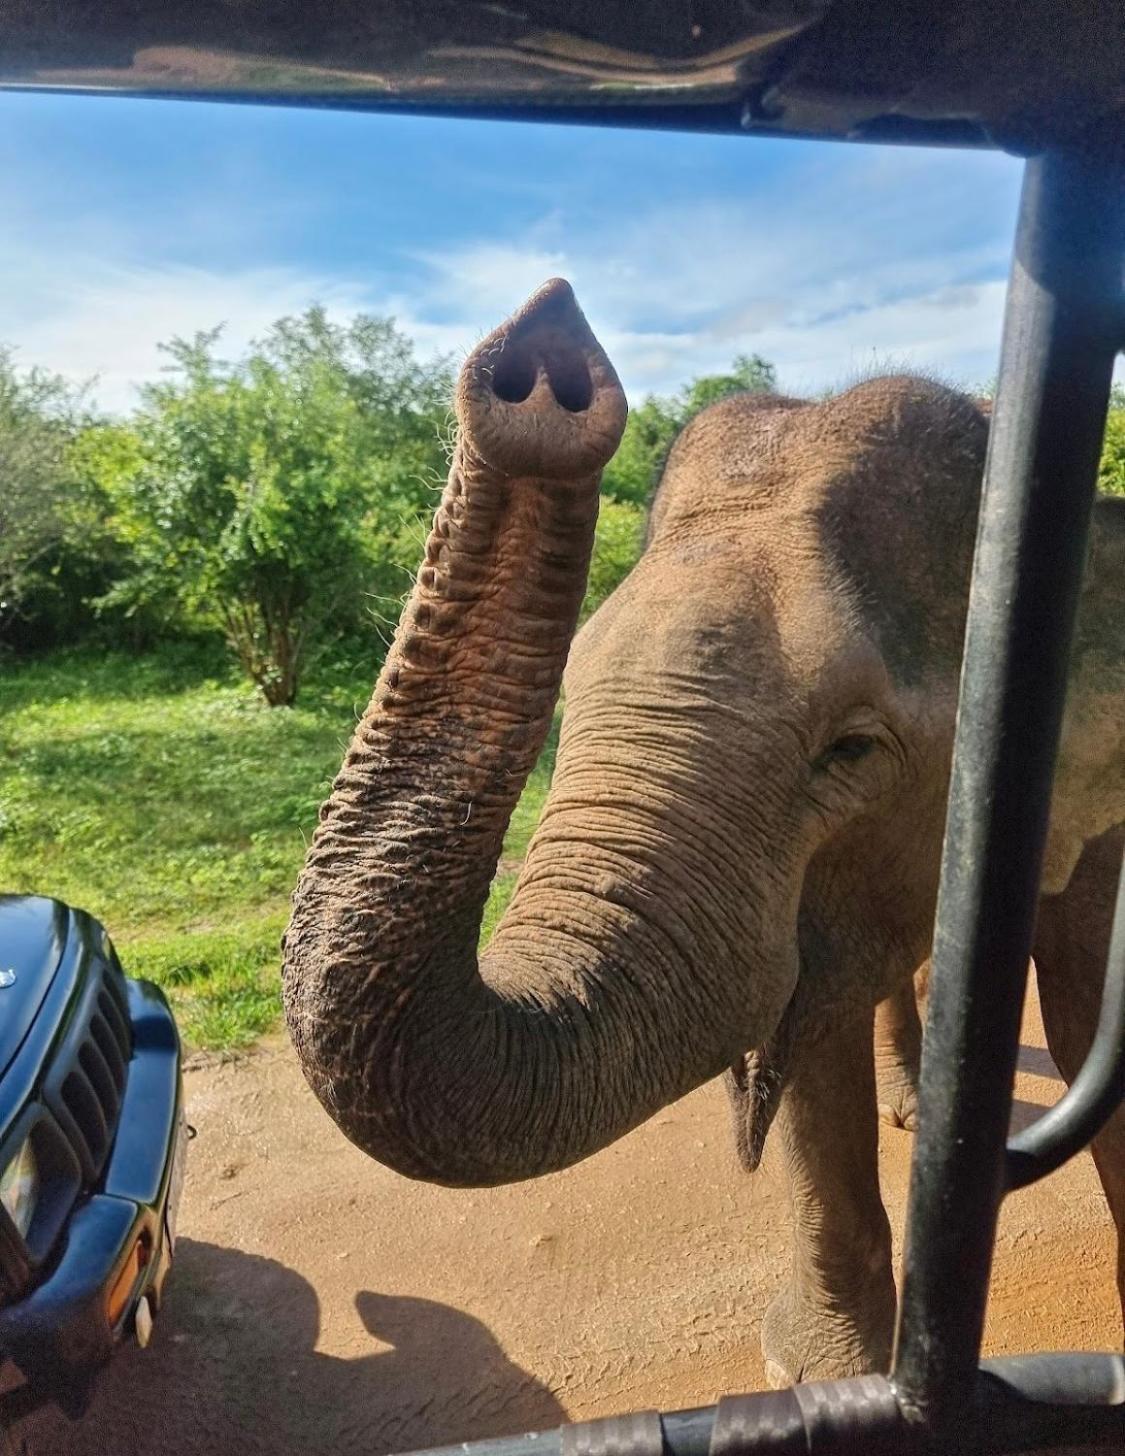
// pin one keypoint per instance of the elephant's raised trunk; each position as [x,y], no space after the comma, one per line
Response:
[567,1034]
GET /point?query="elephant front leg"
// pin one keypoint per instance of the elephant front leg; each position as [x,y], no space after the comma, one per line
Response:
[835,1317]
[898,1053]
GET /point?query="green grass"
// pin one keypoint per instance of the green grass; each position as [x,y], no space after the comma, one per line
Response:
[159,793]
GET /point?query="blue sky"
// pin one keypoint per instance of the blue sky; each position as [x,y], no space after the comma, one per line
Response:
[128,221]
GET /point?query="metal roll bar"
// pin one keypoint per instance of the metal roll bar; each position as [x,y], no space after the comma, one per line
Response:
[1025,1403]
[1098,1090]
[1062,329]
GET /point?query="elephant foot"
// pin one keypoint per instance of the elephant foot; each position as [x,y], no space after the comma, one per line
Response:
[898,1095]
[804,1341]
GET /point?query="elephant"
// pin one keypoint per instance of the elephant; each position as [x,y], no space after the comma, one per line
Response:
[898,1051]
[739,851]
[836,1315]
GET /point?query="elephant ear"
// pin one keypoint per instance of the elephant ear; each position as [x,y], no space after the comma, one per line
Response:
[754,1086]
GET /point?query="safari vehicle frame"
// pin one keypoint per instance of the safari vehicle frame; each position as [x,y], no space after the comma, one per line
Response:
[1044,83]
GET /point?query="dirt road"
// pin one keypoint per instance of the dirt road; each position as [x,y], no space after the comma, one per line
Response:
[321,1304]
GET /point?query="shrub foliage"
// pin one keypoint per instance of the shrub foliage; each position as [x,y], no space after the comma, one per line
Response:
[277,501]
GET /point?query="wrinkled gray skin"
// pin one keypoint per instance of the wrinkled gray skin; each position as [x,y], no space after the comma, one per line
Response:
[740,846]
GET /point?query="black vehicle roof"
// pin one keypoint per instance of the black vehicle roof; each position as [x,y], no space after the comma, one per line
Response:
[1002,74]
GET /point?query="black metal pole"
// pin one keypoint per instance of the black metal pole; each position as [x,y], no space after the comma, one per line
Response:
[1062,328]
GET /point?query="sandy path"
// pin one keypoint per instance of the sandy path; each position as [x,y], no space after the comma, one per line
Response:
[321,1304]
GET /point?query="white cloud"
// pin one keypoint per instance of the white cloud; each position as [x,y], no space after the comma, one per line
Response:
[828,272]
[823,269]
[85,318]
[678,295]
[89,318]
[484,280]
[919,332]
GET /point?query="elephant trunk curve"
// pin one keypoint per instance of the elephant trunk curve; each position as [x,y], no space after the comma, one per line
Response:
[562,1037]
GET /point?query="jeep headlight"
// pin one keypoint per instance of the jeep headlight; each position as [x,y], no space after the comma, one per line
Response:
[19,1187]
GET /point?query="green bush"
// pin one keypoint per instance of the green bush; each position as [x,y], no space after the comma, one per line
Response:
[258,489]
[47,523]
[617,545]
[1111,473]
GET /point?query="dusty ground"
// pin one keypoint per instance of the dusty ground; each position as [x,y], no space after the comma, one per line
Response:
[321,1304]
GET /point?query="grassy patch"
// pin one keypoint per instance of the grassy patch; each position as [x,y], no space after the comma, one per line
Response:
[160,794]
[223,982]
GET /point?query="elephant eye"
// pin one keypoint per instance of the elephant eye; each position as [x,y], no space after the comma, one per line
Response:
[848,749]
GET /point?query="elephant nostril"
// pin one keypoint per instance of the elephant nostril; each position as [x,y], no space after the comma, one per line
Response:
[516,371]
[569,379]
[538,396]
[513,379]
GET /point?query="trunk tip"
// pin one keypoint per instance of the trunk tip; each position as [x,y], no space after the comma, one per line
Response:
[538,396]
[556,295]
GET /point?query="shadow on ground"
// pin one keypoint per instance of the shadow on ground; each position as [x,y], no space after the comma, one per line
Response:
[1024,1114]
[232,1367]
[1036,1062]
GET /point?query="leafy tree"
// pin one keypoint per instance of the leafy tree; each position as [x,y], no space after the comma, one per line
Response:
[260,485]
[617,544]
[749,374]
[649,432]
[92,553]
[1111,473]
[280,499]
[40,415]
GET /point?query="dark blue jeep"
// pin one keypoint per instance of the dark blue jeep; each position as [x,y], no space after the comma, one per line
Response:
[92,1138]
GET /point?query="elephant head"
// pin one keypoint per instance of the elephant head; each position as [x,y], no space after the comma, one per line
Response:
[743,831]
